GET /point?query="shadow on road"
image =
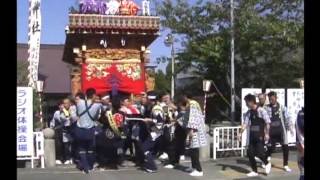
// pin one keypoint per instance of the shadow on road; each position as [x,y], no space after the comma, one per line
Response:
[243,161]
[182,168]
[238,167]
[233,167]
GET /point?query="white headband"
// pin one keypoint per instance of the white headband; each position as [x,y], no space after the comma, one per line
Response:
[152,97]
[106,97]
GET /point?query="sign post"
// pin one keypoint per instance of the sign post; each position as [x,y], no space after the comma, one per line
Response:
[25,139]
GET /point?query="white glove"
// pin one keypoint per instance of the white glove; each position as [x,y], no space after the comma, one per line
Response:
[153,135]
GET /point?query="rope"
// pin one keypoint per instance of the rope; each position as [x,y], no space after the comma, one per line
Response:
[220,94]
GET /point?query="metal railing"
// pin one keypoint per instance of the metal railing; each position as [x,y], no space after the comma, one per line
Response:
[225,139]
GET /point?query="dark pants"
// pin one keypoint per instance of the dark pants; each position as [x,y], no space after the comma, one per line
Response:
[59,145]
[177,147]
[285,148]
[159,146]
[181,135]
[128,144]
[74,148]
[256,148]
[173,154]
[74,152]
[107,150]
[195,162]
[86,147]
[67,150]
[147,147]
[139,154]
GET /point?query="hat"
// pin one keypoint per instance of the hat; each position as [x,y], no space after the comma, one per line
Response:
[152,96]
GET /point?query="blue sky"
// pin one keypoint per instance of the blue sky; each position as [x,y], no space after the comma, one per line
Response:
[54,14]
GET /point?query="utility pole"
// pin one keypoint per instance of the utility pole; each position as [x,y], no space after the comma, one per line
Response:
[172,70]
[232,64]
[169,41]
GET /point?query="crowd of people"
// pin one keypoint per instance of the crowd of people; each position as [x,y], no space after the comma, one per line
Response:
[268,124]
[94,131]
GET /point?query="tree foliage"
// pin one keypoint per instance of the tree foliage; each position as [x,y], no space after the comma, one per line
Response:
[269,41]
[162,82]
[22,73]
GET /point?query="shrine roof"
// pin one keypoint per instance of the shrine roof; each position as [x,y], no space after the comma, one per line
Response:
[51,68]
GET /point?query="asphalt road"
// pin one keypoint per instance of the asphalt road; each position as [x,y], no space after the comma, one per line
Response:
[221,169]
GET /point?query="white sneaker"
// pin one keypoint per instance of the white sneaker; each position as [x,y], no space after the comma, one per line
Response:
[286,168]
[163,156]
[58,162]
[182,158]
[268,168]
[150,171]
[252,174]
[96,165]
[196,173]
[269,158]
[169,166]
[102,169]
[67,162]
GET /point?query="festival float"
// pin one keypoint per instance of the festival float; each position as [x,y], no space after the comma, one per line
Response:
[107,46]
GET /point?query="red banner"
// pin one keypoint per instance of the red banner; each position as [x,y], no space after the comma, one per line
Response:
[127,78]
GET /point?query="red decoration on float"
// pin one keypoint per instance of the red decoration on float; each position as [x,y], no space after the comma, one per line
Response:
[130,77]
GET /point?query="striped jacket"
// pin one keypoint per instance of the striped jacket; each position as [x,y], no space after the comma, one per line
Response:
[196,122]
[285,120]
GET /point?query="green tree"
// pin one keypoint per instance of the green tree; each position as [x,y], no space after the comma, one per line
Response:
[22,73]
[162,82]
[269,42]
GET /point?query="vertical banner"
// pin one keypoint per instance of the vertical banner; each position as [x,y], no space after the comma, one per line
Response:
[244,108]
[24,121]
[34,40]
[295,102]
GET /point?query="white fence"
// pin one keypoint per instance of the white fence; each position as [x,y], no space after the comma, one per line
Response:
[38,150]
[226,139]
